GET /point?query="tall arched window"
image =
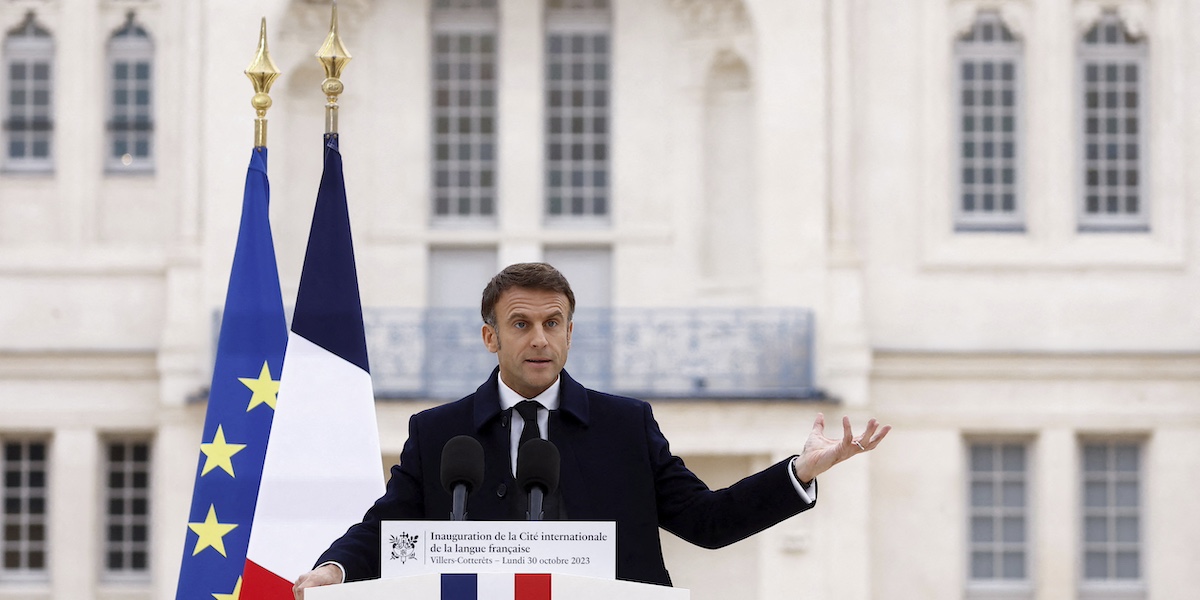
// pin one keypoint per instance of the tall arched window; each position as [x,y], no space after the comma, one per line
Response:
[989,97]
[131,113]
[29,124]
[1112,74]
[578,60]
[464,109]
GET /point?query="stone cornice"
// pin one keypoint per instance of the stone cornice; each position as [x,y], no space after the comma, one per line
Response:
[926,365]
[60,365]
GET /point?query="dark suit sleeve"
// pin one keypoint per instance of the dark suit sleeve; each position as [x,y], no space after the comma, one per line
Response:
[712,519]
[358,551]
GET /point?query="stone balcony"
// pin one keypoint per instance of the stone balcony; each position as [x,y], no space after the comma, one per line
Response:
[693,353]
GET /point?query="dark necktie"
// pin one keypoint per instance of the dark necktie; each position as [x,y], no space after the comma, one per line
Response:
[528,411]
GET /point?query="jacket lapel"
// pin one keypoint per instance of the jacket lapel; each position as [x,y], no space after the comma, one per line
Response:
[498,498]
[567,426]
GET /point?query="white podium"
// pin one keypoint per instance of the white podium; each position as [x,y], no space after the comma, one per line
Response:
[495,586]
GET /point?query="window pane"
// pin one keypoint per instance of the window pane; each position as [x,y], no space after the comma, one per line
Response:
[24,515]
[982,565]
[1127,565]
[1127,456]
[987,102]
[464,115]
[1014,529]
[127,521]
[1095,529]
[1111,523]
[1111,117]
[983,530]
[982,495]
[1014,565]
[1096,566]
[1127,494]
[130,130]
[1014,495]
[576,125]
[997,511]
[1127,529]
[28,120]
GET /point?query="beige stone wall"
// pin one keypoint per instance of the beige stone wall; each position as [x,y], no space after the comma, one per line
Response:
[839,199]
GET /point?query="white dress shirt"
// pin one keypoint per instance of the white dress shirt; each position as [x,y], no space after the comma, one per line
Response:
[509,398]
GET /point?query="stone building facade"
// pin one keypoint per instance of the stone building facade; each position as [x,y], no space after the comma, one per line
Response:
[973,219]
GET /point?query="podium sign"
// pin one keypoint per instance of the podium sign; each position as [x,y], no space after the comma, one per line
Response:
[585,548]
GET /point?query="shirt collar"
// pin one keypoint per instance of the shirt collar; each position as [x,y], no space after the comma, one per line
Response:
[549,398]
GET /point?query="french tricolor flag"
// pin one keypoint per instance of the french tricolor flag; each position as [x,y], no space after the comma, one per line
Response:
[322,467]
[495,586]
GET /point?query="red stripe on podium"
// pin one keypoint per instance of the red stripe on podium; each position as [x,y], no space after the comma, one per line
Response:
[531,586]
[261,584]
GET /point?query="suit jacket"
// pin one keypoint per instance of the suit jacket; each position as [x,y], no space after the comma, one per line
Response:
[616,466]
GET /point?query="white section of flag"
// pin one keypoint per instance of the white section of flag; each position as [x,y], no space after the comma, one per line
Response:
[322,469]
[496,586]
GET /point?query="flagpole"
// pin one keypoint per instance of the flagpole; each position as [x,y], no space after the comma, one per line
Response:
[333,56]
[262,73]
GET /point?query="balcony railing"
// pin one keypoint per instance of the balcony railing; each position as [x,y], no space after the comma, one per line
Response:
[646,353]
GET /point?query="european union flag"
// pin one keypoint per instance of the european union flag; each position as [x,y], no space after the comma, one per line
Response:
[241,406]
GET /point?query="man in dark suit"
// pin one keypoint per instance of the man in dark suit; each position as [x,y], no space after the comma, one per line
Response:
[616,464]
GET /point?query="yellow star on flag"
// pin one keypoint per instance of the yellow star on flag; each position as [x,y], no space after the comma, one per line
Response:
[211,532]
[219,453]
[264,388]
[236,595]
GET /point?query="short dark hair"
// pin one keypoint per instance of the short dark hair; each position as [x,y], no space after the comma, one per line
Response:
[534,276]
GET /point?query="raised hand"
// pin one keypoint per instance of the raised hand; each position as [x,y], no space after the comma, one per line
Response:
[821,452]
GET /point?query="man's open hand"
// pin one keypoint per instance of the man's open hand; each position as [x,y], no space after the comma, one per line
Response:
[820,452]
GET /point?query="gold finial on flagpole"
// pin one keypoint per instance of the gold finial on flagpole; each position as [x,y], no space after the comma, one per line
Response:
[262,73]
[333,56]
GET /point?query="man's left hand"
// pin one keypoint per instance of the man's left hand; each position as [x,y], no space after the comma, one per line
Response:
[820,452]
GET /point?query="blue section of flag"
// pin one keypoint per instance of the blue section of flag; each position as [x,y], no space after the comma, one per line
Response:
[460,586]
[328,311]
[253,333]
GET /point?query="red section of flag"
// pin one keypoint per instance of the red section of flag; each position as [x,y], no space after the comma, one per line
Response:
[261,584]
[531,586]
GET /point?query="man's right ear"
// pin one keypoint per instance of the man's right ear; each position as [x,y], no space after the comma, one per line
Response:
[490,339]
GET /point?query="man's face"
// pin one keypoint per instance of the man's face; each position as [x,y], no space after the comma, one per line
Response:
[531,338]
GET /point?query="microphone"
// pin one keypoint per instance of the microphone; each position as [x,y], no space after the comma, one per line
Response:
[462,472]
[537,473]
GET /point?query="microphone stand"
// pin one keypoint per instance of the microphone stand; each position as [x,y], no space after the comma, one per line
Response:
[458,511]
[536,495]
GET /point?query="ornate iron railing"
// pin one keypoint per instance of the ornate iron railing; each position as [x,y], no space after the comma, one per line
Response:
[647,353]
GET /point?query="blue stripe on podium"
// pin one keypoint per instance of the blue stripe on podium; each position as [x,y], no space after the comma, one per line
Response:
[460,586]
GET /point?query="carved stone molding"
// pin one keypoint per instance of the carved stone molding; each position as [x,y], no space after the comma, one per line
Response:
[1015,15]
[729,71]
[314,14]
[704,18]
[1134,14]
[128,5]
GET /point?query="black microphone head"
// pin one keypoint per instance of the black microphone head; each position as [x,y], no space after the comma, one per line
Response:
[537,464]
[462,462]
